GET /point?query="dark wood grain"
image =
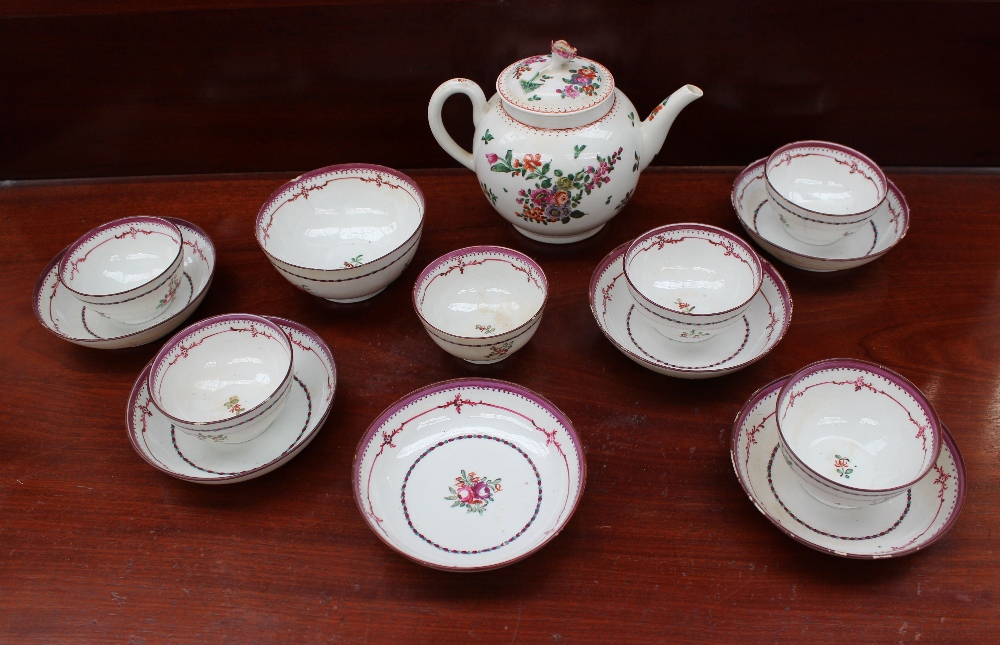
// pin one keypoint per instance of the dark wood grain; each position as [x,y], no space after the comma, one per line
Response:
[106,88]
[96,546]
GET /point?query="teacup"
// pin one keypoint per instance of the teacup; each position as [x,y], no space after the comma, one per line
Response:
[691,281]
[855,433]
[481,303]
[126,270]
[821,191]
[224,379]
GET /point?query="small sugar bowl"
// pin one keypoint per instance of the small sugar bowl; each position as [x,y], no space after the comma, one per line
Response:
[481,303]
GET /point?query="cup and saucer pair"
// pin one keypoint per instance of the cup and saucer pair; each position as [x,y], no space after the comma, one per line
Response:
[917,516]
[207,459]
[762,222]
[759,329]
[69,318]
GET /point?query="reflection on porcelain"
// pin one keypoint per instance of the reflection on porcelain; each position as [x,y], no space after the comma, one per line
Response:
[204,459]
[128,270]
[226,377]
[900,526]
[691,281]
[481,303]
[469,474]
[823,192]
[760,220]
[855,432]
[558,150]
[344,232]
[761,326]
[64,315]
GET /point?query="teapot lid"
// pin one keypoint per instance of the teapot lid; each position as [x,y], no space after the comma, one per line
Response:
[556,84]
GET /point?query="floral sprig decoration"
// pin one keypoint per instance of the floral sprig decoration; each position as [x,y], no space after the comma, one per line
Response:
[472,492]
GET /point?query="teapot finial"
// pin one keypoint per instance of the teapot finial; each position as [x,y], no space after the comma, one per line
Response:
[562,55]
[563,50]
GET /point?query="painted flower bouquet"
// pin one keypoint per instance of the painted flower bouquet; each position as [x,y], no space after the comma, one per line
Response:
[472,492]
[556,197]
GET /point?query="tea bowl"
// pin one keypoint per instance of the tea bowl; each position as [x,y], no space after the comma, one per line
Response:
[127,270]
[344,232]
[822,191]
[691,281]
[481,303]
[855,433]
[225,378]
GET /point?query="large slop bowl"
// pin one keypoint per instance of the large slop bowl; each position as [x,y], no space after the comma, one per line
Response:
[344,232]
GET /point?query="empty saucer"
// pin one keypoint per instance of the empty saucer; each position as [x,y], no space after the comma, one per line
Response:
[469,474]
[200,459]
[762,222]
[899,526]
[60,312]
[763,324]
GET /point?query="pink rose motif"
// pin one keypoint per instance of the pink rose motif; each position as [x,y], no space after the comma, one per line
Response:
[482,491]
[465,494]
[571,92]
[541,197]
[492,158]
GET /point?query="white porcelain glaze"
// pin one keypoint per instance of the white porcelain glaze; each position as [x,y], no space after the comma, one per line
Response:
[344,232]
[128,270]
[759,329]
[758,217]
[469,474]
[204,460]
[481,303]
[69,318]
[558,150]
[691,281]
[822,191]
[855,432]
[900,526]
[226,377]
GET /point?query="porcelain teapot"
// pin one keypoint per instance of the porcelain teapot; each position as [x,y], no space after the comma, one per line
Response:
[557,150]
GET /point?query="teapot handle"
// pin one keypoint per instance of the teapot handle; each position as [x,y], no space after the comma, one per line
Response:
[441,94]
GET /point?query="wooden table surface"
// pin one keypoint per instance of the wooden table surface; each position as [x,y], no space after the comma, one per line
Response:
[97,546]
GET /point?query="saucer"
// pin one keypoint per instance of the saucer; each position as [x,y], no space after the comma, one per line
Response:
[469,474]
[761,221]
[763,324]
[200,459]
[902,525]
[68,318]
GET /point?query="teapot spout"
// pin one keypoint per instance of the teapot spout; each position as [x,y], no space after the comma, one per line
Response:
[657,124]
